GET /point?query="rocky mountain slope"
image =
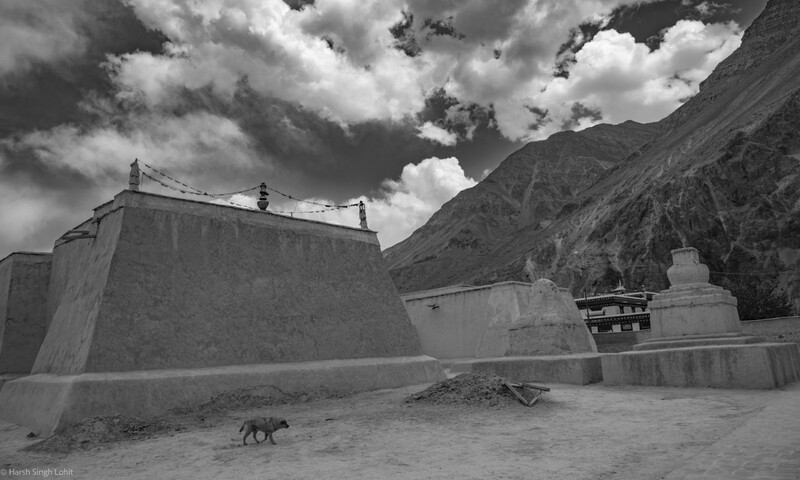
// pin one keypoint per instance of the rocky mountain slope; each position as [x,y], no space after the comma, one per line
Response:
[721,173]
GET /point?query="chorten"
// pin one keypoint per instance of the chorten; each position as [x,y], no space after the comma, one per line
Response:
[697,340]
[693,312]
[547,342]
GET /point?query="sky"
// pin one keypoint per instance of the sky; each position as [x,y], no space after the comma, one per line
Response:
[398,103]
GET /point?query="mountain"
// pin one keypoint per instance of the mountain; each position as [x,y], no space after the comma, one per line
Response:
[589,209]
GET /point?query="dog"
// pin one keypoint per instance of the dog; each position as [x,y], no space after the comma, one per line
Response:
[262,424]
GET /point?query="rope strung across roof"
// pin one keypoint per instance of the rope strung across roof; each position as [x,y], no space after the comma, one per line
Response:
[333,207]
[197,190]
[313,211]
[190,190]
[195,193]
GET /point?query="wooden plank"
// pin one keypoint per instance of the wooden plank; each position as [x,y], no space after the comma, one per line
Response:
[516,394]
[513,387]
[537,387]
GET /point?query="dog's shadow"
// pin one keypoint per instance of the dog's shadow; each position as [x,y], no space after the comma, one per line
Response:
[234,450]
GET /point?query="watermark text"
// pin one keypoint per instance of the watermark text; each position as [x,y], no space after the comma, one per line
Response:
[36,472]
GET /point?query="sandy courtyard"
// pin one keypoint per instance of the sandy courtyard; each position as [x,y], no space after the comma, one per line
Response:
[589,432]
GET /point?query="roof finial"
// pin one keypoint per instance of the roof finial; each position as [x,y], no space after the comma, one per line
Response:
[362,215]
[134,179]
[262,202]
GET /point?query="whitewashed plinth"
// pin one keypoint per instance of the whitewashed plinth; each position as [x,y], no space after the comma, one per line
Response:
[697,340]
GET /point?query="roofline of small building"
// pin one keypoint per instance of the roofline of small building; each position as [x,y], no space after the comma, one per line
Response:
[24,252]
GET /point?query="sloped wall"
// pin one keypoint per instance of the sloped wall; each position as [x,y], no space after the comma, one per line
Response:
[24,280]
[171,283]
[80,271]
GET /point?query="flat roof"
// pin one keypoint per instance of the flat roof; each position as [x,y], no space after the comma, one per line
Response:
[136,199]
[23,252]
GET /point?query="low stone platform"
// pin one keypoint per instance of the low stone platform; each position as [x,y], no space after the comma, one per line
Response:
[47,402]
[576,369]
[8,377]
[697,341]
[755,366]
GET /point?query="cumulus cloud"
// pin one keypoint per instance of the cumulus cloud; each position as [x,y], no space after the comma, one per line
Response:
[191,148]
[183,144]
[706,9]
[435,133]
[342,63]
[40,31]
[26,210]
[343,59]
[283,52]
[616,79]
[402,206]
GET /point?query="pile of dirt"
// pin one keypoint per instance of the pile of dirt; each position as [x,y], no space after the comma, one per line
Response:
[485,390]
[99,430]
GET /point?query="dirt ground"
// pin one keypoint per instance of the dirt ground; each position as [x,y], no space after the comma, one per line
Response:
[573,432]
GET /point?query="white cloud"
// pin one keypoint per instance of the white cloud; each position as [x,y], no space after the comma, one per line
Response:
[200,149]
[39,31]
[707,9]
[503,56]
[288,54]
[404,204]
[282,52]
[437,134]
[25,211]
[182,143]
[625,80]
[33,216]
[338,59]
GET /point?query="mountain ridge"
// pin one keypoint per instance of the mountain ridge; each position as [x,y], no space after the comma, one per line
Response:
[720,173]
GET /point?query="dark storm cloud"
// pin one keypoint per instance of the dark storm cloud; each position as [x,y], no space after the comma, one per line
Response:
[50,92]
[579,112]
[578,37]
[298,4]
[312,97]
[646,21]
[299,143]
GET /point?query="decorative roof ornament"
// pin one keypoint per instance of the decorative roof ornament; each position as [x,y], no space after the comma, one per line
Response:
[134,179]
[262,203]
[362,215]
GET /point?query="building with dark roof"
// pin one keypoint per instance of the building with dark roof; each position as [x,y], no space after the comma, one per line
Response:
[616,311]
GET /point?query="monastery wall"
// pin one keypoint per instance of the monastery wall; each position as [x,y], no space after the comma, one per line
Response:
[171,283]
[455,327]
[782,329]
[613,342]
[65,261]
[78,282]
[24,279]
